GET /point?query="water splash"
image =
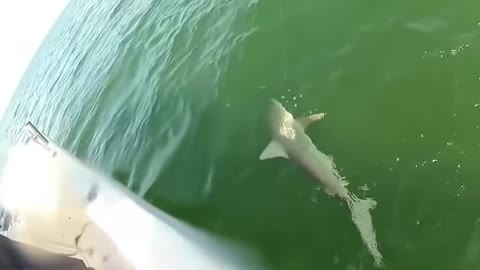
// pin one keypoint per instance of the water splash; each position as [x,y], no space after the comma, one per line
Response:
[360,209]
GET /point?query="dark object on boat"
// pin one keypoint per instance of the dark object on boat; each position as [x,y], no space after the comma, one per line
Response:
[19,256]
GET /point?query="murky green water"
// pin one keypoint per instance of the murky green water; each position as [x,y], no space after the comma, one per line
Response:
[171,97]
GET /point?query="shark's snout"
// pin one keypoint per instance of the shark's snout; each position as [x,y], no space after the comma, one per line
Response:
[277,107]
[275,103]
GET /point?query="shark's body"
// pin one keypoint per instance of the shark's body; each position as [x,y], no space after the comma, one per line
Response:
[291,142]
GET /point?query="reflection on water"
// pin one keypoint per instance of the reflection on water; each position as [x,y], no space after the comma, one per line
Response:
[116,80]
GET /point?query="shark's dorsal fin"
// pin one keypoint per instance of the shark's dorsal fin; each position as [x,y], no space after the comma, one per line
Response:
[307,120]
[273,150]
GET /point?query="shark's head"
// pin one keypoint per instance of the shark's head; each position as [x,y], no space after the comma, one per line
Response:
[281,121]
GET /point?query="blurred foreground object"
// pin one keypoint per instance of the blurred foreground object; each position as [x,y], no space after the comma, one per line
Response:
[52,202]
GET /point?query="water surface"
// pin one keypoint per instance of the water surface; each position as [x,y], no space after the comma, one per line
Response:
[171,98]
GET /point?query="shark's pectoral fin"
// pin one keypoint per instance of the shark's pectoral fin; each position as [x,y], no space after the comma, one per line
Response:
[273,150]
[307,120]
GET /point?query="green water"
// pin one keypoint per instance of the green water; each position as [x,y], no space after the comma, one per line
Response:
[171,97]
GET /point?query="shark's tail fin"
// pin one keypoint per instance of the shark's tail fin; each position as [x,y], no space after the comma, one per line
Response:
[360,209]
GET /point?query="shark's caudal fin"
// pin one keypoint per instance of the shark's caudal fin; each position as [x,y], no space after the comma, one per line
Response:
[360,209]
[273,150]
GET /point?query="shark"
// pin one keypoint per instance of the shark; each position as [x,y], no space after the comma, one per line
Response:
[290,141]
